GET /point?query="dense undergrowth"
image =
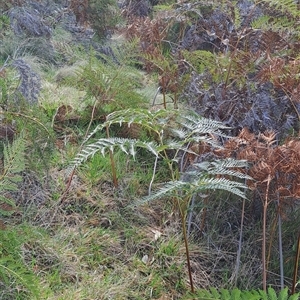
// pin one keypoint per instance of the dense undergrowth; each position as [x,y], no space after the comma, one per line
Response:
[149,149]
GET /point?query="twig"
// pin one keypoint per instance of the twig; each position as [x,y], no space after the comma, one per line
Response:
[296,264]
[153,175]
[155,96]
[280,243]
[265,206]
[238,257]
[190,216]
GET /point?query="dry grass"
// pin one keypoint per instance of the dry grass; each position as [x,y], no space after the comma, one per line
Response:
[95,245]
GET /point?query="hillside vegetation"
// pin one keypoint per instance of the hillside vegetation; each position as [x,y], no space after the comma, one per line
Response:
[149,149]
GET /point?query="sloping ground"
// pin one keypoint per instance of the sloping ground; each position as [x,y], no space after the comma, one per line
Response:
[83,239]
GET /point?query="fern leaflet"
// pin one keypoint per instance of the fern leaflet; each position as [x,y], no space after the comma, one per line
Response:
[13,164]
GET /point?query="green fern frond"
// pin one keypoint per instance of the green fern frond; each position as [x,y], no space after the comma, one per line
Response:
[284,6]
[201,60]
[272,294]
[225,294]
[144,117]
[103,145]
[237,16]
[214,292]
[153,121]
[261,22]
[14,160]
[275,24]
[188,188]
[187,126]
[14,273]
[224,184]
[282,19]
[294,297]
[197,125]
[224,167]
[13,164]
[183,127]
[283,294]
[169,189]
[236,294]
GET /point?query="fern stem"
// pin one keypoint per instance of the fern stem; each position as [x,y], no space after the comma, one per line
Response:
[230,63]
[280,243]
[153,175]
[186,244]
[296,264]
[32,119]
[155,96]
[112,162]
[265,206]
[272,235]
[238,257]
[280,252]
[191,208]
[91,120]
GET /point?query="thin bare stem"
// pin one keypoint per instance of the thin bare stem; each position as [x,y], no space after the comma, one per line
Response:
[238,257]
[186,244]
[112,162]
[191,208]
[155,96]
[265,206]
[296,265]
[280,246]
[153,175]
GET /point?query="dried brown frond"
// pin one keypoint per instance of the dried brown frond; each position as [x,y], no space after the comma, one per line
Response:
[261,41]
[282,73]
[269,137]
[195,150]
[79,7]
[272,41]
[246,135]
[280,163]
[150,32]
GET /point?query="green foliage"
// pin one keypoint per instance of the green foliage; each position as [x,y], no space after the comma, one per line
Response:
[278,24]
[3,91]
[13,164]
[17,281]
[8,85]
[103,15]
[110,83]
[236,294]
[172,130]
[200,180]
[4,25]
[285,7]
[221,66]
[202,60]
[96,169]
[281,18]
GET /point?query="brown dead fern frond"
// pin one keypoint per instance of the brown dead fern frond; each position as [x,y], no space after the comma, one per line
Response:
[150,32]
[282,73]
[278,164]
[79,8]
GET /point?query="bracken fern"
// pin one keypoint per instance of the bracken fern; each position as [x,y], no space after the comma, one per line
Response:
[236,294]
[13,164]
[172,130]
